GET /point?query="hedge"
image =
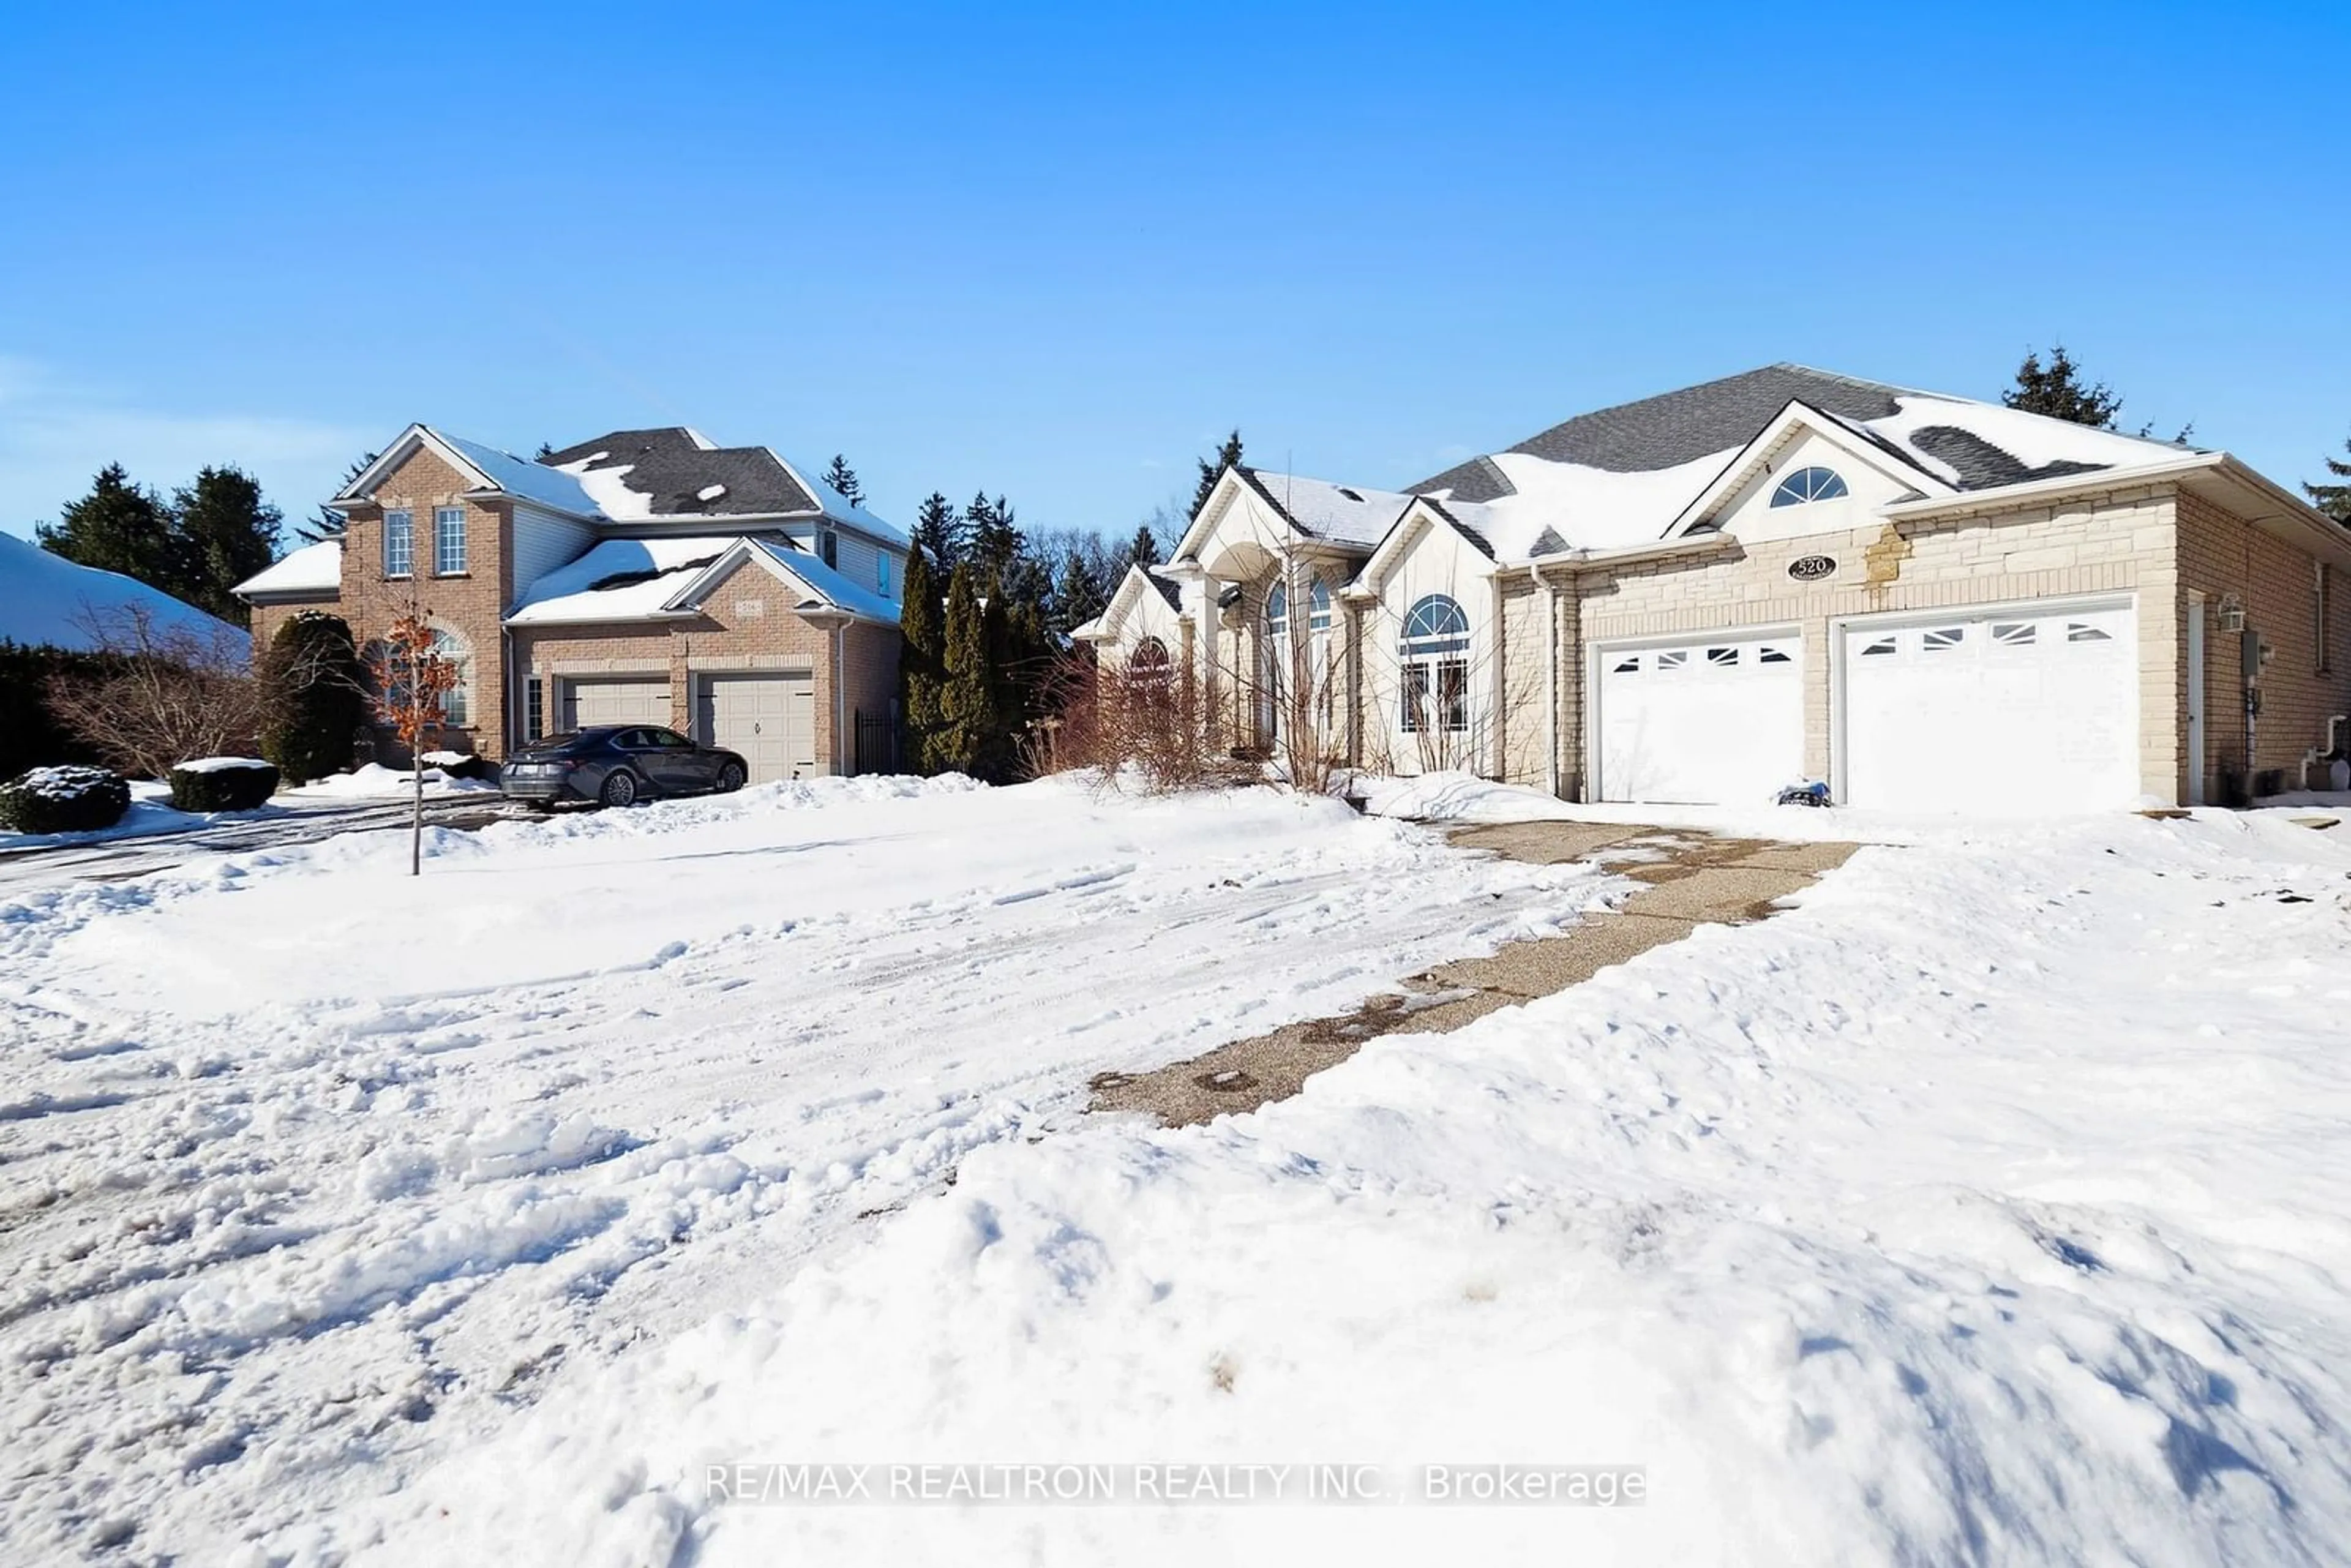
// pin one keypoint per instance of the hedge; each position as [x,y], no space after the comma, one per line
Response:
[29,736]
[223,784]
[70,799]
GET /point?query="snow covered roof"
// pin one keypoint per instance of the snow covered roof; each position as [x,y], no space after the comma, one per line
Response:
[492,467]
[521,477]
[312,570]
[832,587]
[1622,476]
[48,600]
[617,579]
[652,579]
[1342,514]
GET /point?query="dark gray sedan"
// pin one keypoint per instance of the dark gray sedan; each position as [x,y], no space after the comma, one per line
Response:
[618,765]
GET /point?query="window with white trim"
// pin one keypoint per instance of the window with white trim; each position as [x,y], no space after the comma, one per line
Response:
[1879,649]
[448,541]
[456,702]
[2014,633]
[1808,485]
[1720,658]
[1435,649]
[882,569]
[398,543]
[2083,632]
[1942,638]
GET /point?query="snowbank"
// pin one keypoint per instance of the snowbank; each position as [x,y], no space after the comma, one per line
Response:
[372,778]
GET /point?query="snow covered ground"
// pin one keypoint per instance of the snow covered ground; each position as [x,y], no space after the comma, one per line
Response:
[312,1172]
[1986,1206]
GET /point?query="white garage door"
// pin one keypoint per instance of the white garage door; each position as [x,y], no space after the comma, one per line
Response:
[770,719]
[2018,711]
[1716,720]
[635,699]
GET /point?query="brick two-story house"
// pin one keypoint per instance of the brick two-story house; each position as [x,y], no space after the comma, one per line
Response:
[644,575]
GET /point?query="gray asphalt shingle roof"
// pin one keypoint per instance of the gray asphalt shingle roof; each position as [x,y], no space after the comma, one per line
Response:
[672,470]
[1675,427]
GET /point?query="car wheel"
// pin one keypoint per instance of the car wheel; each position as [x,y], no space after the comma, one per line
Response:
[730,779]
[619,787]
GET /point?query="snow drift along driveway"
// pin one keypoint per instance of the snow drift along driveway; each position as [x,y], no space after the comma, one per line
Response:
[310,1170]
[1989,1207]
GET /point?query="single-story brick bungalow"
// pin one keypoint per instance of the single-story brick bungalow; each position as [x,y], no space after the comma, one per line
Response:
[1925,602]
[645,576]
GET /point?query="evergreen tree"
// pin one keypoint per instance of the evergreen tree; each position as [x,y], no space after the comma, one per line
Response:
[2334,500]
[224,532]
[546,450]
[922,626]
[1144,550]
[1228,455]
[2057,390]
[317,701]
[326,523]
[938,530]
[969,724]
[994,540]
[843,479]
[118,527]
[1077,595]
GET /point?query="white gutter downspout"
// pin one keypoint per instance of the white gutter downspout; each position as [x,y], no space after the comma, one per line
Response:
[1551,677]
[840,742]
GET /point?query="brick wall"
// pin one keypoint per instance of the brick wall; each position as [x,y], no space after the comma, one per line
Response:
[470,605]
[2222,555]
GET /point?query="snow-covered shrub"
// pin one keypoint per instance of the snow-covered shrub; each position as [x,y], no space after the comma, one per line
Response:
[68,799]
[223,784]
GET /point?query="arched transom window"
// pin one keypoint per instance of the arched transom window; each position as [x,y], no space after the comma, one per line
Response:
[1807,485]
[1434,650]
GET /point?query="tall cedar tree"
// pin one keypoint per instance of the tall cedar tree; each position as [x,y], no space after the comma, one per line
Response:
[2056,390]
[938,530]
[994,542]
[922,659]
[843,479]
[968,722]
[317,699]
[1228,455]
[225,533]
[2334,500]
[118,526]
[326,523]
[1144,549]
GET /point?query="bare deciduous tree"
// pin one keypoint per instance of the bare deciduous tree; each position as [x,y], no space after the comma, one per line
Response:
[175,693]
[413,679]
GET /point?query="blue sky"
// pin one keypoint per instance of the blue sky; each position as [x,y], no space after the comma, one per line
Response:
[1057,251]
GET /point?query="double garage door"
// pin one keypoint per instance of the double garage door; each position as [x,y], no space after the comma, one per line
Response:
[2028,709]
[770,719]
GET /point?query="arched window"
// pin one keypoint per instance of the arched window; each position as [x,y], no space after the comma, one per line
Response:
[1148,663]
[1277,609]
[1434,650]
[1318,607]
[1808,485]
